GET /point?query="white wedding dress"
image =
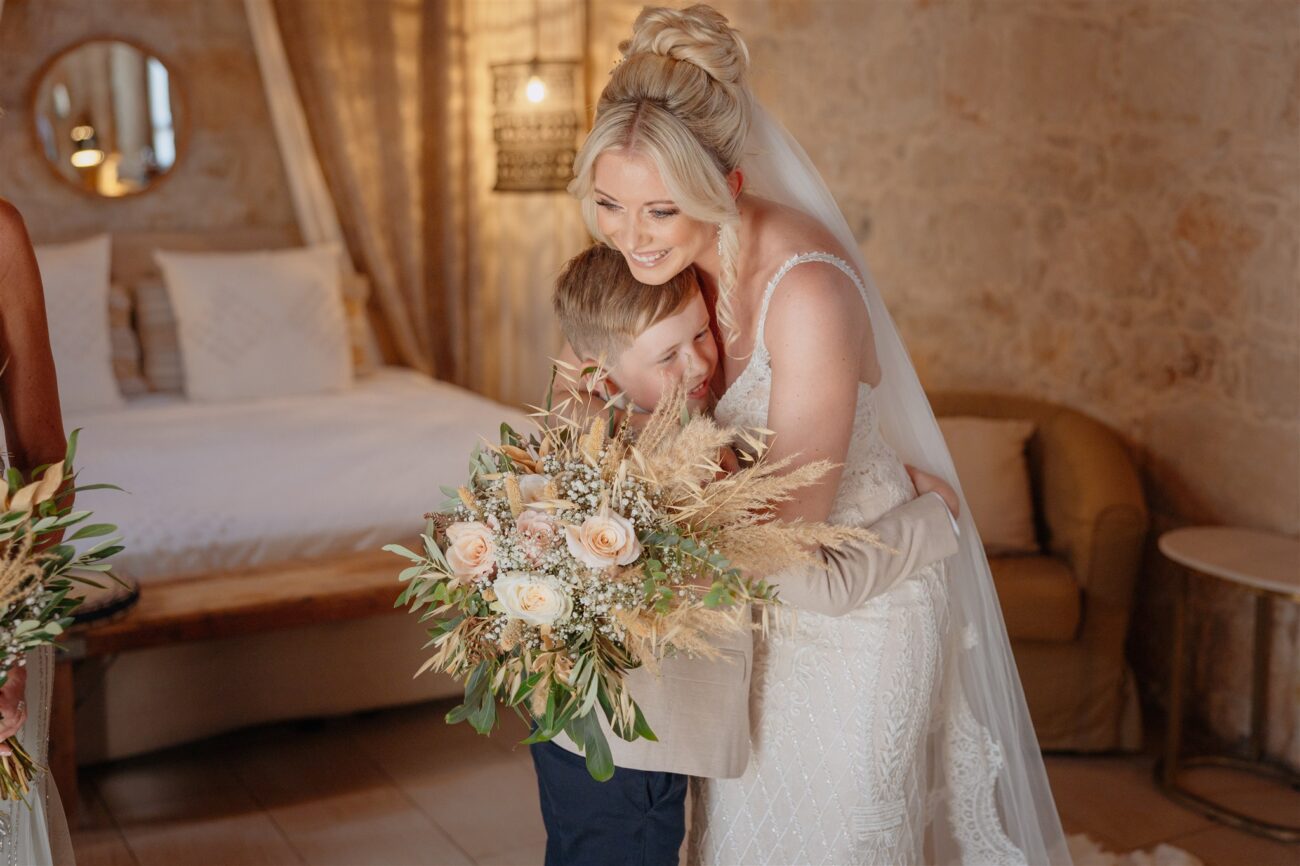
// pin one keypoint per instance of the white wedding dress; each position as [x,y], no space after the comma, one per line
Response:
[847,751]
[35,833]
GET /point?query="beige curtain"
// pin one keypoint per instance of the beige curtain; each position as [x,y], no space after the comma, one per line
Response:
[398,96]
[357,68]
[312,204]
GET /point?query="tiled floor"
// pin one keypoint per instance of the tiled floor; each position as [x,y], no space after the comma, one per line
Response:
[401,787]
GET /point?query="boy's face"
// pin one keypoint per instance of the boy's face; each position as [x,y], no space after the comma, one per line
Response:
[679,348]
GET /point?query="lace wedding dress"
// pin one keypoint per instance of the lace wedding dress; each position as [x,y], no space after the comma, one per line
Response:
[35,833]
[847,751]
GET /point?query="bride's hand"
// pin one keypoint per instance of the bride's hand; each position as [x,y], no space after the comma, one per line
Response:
[925,483]
[13,705]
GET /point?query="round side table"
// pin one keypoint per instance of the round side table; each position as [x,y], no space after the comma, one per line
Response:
[1268,566]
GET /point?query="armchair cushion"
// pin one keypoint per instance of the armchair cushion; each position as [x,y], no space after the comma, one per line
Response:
[1039,596]
[989,454]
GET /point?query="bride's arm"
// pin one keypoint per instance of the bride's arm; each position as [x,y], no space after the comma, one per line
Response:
[29,392]
[819,339]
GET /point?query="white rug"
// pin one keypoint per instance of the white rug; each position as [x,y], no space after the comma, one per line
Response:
[1088,852]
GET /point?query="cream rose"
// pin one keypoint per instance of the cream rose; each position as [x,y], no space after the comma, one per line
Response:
[603,540]
[532,488]
[537,524]
[533,598]
[470,552]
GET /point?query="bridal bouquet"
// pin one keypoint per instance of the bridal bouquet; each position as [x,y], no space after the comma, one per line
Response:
[35,579]
[581,551]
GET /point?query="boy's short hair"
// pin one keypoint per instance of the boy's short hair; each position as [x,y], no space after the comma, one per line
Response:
[603,308]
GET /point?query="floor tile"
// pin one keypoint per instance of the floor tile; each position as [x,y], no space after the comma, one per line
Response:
[1223,846]
[174,809]
[473,804]
[336,807]
[532,854]
[96,840]
[1115,800]
[1265,798]
[401,786]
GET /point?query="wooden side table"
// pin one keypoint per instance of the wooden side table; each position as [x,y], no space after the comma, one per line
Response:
[1268,566]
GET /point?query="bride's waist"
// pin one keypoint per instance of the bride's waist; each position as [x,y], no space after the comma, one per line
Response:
[871,488]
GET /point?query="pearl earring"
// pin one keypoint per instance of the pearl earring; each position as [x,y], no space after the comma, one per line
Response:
[719,241]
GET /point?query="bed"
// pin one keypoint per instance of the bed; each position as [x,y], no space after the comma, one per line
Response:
[336,454]
[213,487]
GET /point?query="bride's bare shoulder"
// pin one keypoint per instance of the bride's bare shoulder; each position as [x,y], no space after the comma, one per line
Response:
[781,232]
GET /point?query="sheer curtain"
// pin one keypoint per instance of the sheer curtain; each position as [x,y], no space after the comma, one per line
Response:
[357,67]
[398,97]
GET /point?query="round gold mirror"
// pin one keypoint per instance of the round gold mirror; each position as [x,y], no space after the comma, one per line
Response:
[107,117]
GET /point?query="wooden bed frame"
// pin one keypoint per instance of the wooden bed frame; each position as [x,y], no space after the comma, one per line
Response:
[218,605]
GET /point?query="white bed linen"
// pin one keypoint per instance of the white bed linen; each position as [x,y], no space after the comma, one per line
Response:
[216,486]
[230,485]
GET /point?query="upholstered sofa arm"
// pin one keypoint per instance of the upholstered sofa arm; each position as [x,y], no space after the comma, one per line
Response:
[1087,495]
[1092,504]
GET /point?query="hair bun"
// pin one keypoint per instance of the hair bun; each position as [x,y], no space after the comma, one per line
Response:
[698,34]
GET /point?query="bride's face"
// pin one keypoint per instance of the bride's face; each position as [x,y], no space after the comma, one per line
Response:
[636,213]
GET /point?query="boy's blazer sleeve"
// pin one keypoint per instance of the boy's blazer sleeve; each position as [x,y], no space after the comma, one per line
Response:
[921,531]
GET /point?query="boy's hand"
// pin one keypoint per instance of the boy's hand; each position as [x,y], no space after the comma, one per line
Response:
[925,483]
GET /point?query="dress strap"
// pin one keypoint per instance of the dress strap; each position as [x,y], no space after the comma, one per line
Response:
[791,263]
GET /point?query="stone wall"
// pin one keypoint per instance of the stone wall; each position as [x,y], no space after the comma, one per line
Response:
[229,174]
[1092,202]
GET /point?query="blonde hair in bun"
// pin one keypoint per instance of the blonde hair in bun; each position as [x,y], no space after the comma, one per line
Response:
[679,97]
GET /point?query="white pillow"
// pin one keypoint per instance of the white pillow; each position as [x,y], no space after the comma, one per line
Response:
[259,324]
[76,283]
[990,457]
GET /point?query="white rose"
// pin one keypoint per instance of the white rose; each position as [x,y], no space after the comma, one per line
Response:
[532,488]
[470,551]
[603,540]
[534,598]
[538,525]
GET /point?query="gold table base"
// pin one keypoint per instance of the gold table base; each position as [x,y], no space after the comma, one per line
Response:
[1169,768]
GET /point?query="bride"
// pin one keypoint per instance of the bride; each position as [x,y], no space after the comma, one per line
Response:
[32,833]
[899,733]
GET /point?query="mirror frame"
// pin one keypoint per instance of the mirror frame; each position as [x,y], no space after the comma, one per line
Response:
[177,94]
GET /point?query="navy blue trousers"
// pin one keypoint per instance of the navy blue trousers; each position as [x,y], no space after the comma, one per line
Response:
[637,818]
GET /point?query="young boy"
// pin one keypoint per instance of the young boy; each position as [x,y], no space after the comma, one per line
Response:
[643,339]
[640,338]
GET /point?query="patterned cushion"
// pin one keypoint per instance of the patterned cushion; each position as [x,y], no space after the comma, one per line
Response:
[159,345]
[989,454]
[259,324]
[75,279]
[365,350]
[125,343]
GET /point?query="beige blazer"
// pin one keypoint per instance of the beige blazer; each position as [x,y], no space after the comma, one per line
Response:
[699,709]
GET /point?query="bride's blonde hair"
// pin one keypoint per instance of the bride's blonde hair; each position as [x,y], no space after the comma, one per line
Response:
[679,97]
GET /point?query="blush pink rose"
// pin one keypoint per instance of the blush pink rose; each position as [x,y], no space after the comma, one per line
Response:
[603,540]
[537,525]
[532,488]
[470,551]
